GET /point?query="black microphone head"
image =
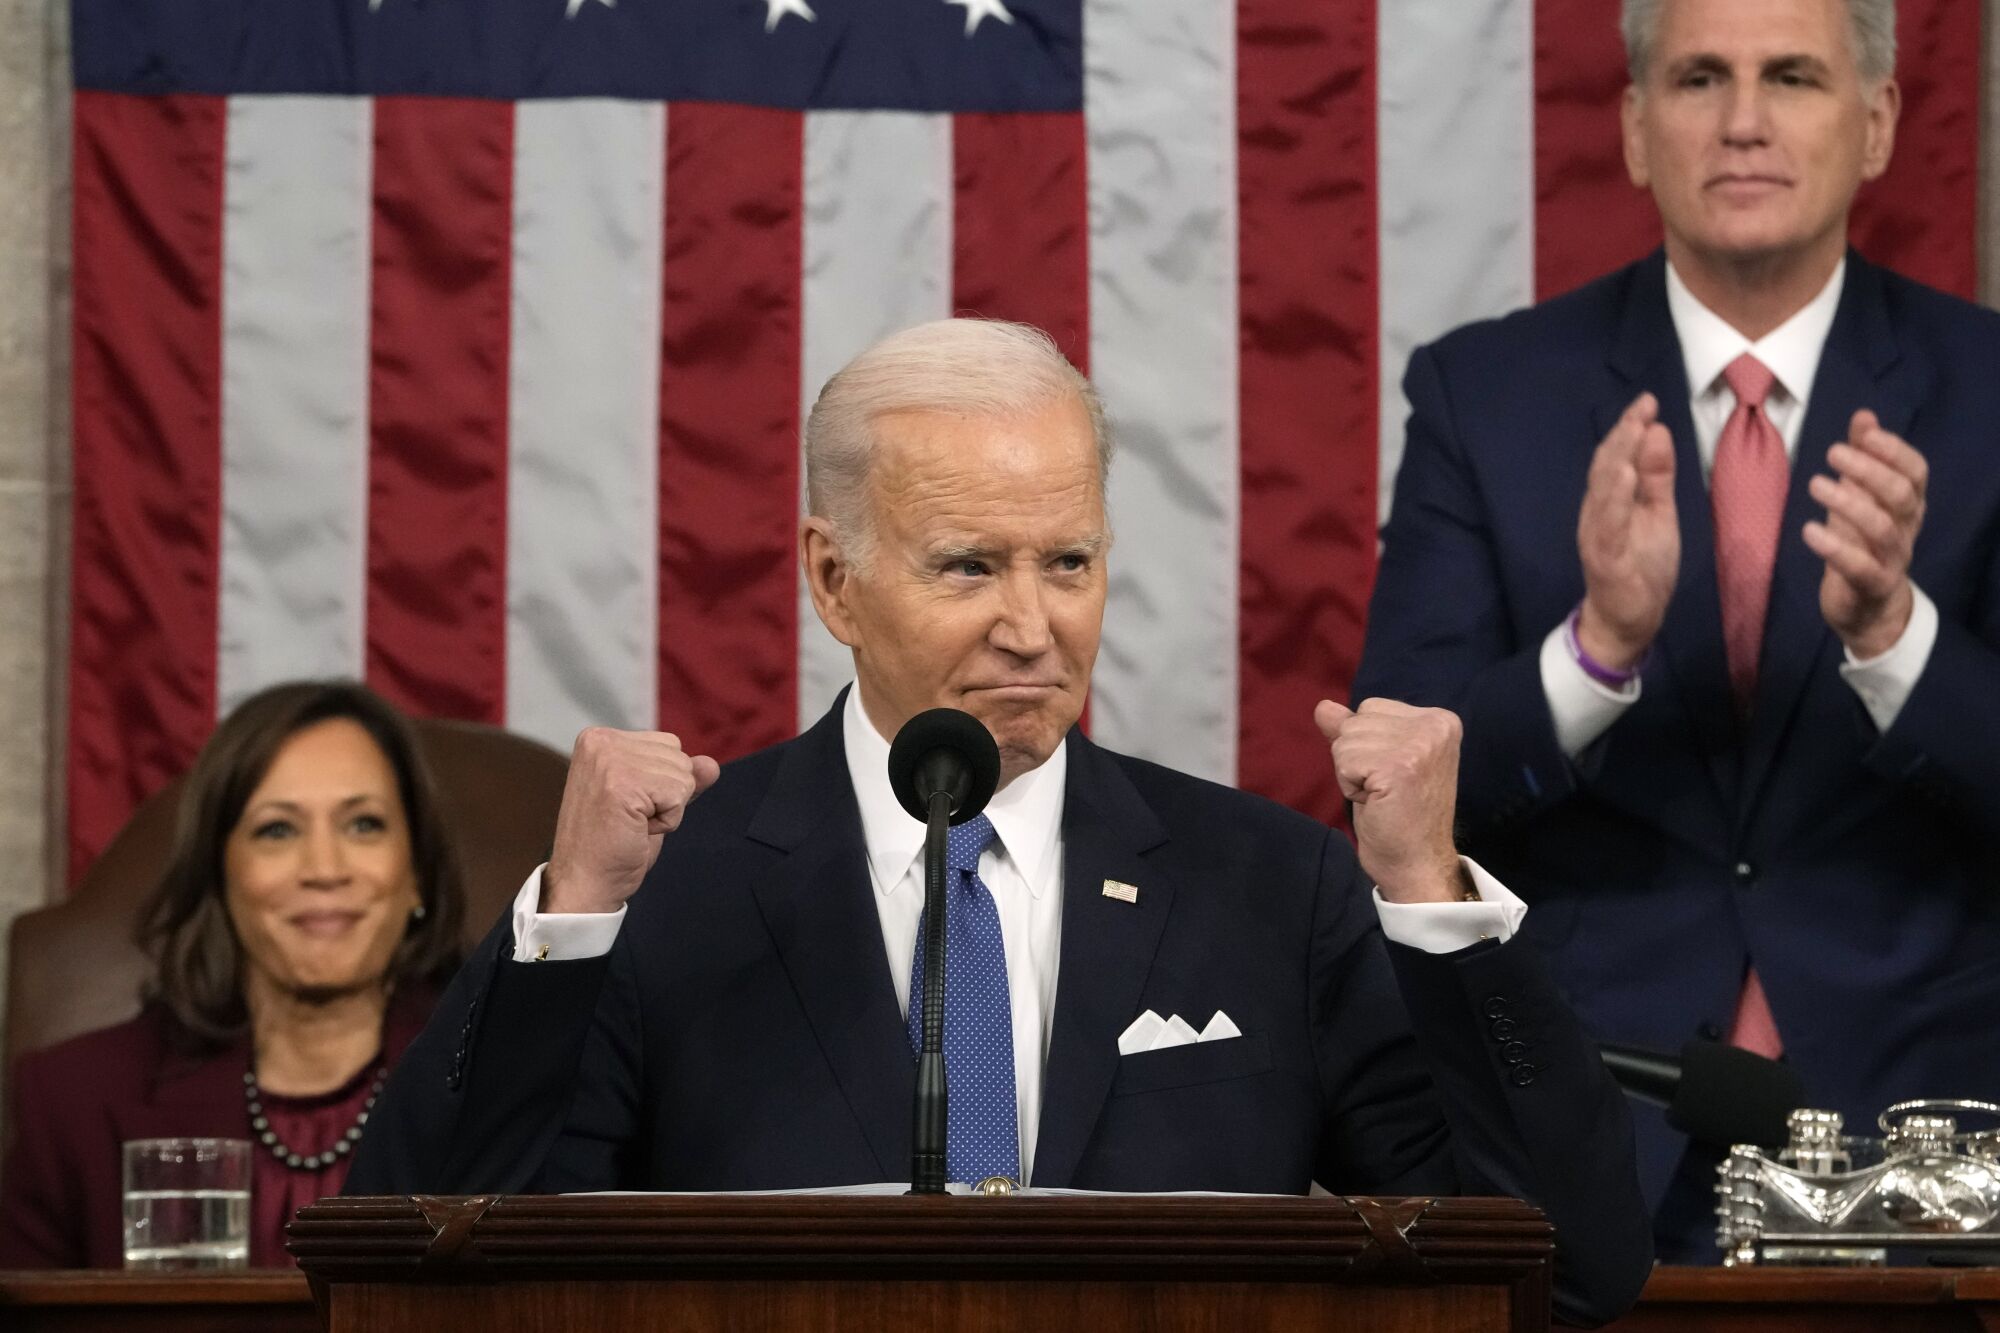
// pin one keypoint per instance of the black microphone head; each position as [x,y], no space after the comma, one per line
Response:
[1728,1095]
[944,749]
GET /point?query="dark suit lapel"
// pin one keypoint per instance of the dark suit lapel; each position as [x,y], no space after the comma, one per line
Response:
[818,904]
[1107,950]
[1689,657]
[1860,367]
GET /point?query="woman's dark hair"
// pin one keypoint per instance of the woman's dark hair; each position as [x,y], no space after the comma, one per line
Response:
[185,928]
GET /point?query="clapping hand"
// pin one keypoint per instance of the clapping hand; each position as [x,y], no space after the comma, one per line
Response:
[1874,511]
[1628,537]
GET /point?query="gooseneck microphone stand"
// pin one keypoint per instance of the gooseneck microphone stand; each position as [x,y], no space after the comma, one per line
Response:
[933,1104]
[944,767]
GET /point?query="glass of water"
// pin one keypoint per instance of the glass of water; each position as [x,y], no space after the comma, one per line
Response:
[187,1203]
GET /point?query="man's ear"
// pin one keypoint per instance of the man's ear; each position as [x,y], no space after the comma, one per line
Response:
[1631,118]
[829,577]
[1885,108]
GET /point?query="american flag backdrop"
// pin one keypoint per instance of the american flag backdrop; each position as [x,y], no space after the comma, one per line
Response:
[463,345]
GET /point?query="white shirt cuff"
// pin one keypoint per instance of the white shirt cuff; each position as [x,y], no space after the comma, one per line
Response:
[1583,709]
[1449,927]
[1884,683]
[559,937]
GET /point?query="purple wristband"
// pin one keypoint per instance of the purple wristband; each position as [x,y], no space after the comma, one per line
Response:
[1596,670]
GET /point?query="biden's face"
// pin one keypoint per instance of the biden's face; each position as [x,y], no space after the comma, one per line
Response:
[1753,128]
[984,587]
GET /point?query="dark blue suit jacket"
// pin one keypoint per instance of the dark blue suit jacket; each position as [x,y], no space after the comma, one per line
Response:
[1857,869]
[744,1031]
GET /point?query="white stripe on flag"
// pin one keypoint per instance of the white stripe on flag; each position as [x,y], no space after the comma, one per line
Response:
[1159,93]
[583,417]
[878,237]
[295,250]
[1456,130]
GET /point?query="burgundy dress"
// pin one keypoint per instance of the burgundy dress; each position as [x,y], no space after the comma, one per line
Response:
[73,1104]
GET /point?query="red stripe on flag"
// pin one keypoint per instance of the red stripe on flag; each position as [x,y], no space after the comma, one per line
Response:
[1021,224]
[729,426]
[1922,217]
[148,442]
[437,384]
[1589,218]
[1309,321]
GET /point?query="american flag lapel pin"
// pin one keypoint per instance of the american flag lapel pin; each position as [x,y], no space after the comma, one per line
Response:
[1123,892]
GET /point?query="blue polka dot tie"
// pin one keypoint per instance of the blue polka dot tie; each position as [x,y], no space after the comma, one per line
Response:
[983,1136]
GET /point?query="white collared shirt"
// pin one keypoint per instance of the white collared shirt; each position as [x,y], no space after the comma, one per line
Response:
[1791,352]
[1583,708]
[1023,867]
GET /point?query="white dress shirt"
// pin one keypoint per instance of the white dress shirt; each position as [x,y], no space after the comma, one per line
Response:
[1583,708]
[1023,867]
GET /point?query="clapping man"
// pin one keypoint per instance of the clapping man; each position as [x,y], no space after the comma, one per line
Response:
[1707,557]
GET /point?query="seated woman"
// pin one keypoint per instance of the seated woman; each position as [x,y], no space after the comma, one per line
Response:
[304,924]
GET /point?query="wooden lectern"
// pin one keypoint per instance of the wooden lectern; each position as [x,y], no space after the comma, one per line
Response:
[1041,1263]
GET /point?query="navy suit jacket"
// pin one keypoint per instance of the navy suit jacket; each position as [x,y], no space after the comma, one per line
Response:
[744,1032]
[1855,868]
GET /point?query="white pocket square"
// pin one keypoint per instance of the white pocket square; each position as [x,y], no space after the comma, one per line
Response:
[1150,1032]
[1220,1028]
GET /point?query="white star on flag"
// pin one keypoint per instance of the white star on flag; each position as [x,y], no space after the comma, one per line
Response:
[975,10]
[777,9]
[575,5]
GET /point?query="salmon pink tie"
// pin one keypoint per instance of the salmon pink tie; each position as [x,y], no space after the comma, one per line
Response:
[1747,490]
[1755,1029]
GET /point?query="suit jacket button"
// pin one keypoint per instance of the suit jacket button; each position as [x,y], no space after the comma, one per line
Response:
[1746,874]
[1503,1029]
[1522,1075]
[1514,1052]
[1496,1006]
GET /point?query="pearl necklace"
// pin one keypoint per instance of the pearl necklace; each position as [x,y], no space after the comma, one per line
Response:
[267,1136]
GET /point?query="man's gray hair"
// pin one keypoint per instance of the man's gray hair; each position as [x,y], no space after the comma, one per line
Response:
[1873,23]
[978,367]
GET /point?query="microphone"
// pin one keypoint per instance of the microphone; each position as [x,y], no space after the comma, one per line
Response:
[945,751]
[944,768]
[1715,1093]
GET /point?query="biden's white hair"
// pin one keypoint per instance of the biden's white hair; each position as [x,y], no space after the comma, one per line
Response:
[976,367]
[1872,22]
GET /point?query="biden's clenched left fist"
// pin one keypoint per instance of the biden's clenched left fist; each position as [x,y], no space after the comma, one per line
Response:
[1399,766]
